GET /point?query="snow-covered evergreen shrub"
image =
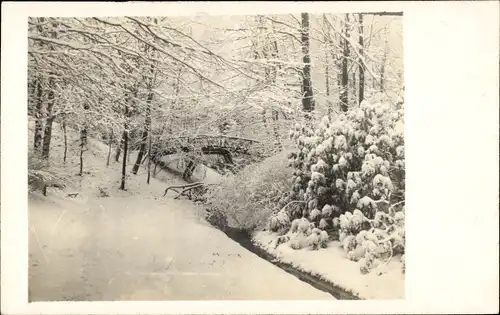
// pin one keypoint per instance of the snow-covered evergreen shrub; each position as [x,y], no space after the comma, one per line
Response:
[280,222]
[348,172]
[303,234]
[371,241]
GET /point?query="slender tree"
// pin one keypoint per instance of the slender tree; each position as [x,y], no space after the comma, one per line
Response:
[361,82]
[83,137]
[65,137]
[110,142]
[125,147]
[147,123]
[38,115]
[382,68]
[47,134]
[344,97]
[307,89]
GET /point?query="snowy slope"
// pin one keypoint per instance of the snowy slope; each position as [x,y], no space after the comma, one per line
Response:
[137,245]
[331,264]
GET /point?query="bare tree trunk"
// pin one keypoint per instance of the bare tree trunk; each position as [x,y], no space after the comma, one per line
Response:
[38,134]
[276,129]
[149,156]
[361,90]
[188,172]
[125,149]
[47,134]
[83,144]
[38,115]
[119,150]
[354,87]
[274,77]
[65,135]
[307,91]
[125,137]
[327,65]
[145,132]
[382,70]
[110,141]
[264,120]
[83,140]
[154,170]
[81,158]
[344,97]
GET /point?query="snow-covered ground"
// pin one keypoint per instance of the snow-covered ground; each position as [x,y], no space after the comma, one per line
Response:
[136,244]
[331,264]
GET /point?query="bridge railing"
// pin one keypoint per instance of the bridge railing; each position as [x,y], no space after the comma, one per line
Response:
[211,143]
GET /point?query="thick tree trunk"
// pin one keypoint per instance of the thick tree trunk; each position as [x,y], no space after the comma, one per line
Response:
[344,97]
[125,137]
[125,147]
[124,163]
[145,132]
[307,91]
[361,90]
[38,115]
[47,134]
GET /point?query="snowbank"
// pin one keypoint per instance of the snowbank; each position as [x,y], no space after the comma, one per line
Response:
[330,264]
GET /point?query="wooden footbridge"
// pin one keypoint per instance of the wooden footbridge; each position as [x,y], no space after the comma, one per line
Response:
[196,146]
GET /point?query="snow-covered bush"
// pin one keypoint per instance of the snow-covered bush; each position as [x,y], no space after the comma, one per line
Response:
[303,234]
[279,222]
[42,173]
[372,241]
[250,197]
[348,173]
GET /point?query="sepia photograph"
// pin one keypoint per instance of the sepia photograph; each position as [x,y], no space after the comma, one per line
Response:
[205,157]
[249,157]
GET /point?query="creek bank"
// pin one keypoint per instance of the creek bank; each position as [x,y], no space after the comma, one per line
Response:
[244,238]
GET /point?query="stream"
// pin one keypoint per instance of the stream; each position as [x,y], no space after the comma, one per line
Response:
[244,238]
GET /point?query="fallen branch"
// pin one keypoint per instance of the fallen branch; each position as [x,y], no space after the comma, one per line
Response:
[189,190]
[186,188]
